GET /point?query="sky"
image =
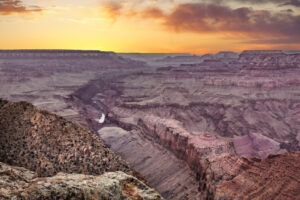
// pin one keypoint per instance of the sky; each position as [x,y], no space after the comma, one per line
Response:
[156,26]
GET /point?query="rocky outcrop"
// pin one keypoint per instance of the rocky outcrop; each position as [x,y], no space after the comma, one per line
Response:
[20,183]
[48,144]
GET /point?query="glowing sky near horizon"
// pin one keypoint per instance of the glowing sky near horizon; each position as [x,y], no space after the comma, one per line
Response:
[192,26]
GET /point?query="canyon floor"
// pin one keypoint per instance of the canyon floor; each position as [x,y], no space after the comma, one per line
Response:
[216,126]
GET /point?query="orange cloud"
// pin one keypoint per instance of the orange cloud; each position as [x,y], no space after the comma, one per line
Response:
[8,7]
[215,18]
[113,9]
[152,13]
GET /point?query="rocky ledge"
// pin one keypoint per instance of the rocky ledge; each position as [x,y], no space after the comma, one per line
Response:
[20,183]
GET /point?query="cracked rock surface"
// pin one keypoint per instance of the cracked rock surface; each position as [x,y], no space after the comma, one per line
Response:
[20,183]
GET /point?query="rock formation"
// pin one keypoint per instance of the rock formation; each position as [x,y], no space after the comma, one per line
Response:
[48,144]
[19,183]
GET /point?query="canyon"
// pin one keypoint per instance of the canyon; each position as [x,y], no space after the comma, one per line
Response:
[216,126]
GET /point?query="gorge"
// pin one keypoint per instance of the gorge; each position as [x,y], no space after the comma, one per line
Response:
[218,126]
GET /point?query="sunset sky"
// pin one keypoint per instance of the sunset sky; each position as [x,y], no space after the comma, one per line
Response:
[193,26]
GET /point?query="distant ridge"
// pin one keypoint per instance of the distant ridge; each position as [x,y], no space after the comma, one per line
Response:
[51,51]
[54,53]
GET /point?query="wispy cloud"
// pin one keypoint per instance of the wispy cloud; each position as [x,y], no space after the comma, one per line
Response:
[295,3]
[9,7]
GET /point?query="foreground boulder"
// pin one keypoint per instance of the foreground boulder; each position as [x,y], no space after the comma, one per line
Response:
[20,183]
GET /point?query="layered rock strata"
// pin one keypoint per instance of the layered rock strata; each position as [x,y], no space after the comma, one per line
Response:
[220,172]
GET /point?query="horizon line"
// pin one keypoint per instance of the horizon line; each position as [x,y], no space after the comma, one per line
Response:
[134,52]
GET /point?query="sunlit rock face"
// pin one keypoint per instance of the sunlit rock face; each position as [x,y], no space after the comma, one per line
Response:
[219,117]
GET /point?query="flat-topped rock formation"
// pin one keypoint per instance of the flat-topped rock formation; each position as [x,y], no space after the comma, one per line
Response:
[226,55]
[262,52]
[20,183]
